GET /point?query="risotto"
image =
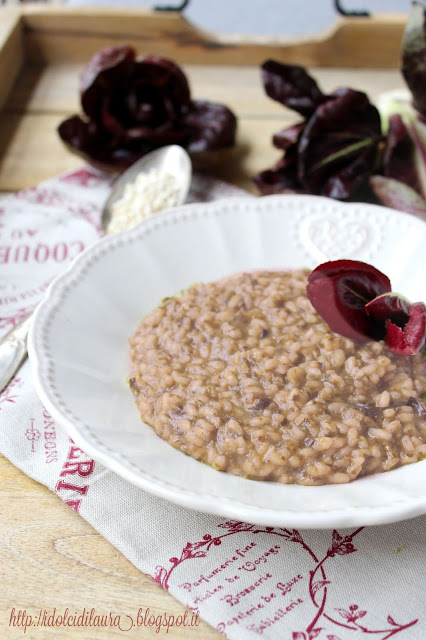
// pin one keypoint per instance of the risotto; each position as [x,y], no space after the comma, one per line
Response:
[244,375]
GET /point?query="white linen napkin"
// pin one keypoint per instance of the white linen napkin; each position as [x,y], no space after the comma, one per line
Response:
[246,581]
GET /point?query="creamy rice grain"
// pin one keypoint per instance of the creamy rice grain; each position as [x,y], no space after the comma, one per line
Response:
[244,375]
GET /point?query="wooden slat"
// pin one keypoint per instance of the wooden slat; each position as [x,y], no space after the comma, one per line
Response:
[74,34]
[11,51]
[33,151]
[50,557]
[54,88]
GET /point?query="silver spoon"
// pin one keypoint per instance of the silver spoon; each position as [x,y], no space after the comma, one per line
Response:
[171,159]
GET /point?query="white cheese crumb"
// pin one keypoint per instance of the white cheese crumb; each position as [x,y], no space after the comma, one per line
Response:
[151,192]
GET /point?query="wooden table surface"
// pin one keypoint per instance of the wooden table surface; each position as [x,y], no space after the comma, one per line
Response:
[65,563]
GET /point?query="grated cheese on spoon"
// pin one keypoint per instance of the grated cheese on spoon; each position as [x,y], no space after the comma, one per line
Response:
[149,193]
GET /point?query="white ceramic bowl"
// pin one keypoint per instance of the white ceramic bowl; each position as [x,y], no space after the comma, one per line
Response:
[79,341]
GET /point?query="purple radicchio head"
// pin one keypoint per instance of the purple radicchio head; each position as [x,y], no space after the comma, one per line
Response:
[333,151]
[133,105]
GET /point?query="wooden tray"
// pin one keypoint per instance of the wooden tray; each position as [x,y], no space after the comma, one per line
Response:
[43,49]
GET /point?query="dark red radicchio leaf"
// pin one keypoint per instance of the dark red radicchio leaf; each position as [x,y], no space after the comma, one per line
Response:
[339,290]
[408,340]
[338,147]
[390,306]
[85,138]
[150,73]
[405,322]
[398,157]
[283,178]
[292,86]
[104,70]
[209,126]
[414,56]
[286,138]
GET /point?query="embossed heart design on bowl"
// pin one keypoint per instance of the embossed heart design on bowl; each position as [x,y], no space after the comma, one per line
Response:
[328,238]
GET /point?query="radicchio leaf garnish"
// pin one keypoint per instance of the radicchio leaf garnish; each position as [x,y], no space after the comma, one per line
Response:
[339,291]
[356,301]
[133,105]
[408,340]
[389,306]
[405,323]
